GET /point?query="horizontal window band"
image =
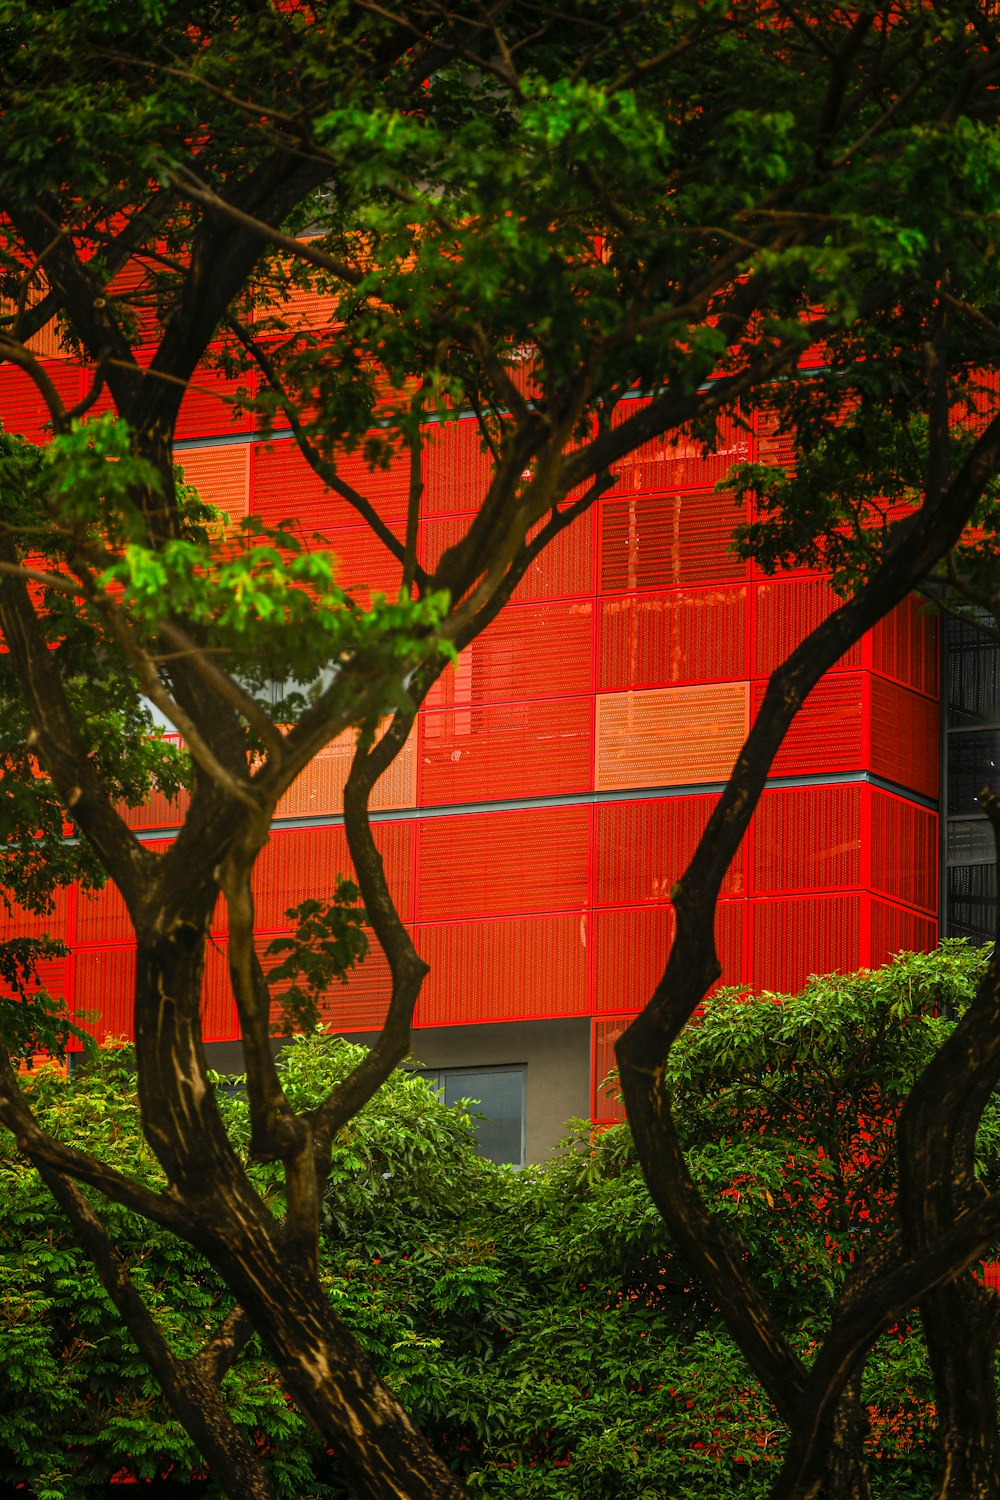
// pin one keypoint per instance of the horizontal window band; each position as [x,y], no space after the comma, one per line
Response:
[582,799]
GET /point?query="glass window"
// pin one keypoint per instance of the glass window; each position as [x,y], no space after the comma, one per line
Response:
[499,1095]
[970,841]
[972,760]
[972,902]
[973,680]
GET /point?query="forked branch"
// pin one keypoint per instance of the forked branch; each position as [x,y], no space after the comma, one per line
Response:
[405,964]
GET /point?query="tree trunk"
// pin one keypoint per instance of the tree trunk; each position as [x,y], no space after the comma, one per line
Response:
[238,1468]
[936,1142]
[847,1470]
[191,1386]
[381,1454]
[961,1323]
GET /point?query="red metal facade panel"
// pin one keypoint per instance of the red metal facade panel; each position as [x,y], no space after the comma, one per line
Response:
[785,613]
[319,791]
[521,968]
[904,850]
[362,565]
[530,651]
[730,942]
[310,309]
[904,737]
[359,1005]
[643,847]
[564,569]
[606,1103]
[827,733]
[506,750]
[219,1020]
[211,406]
[53,975]
[895,930]
[24,408]
[533,859]
[159,812]
[437,536]
[905,646]
[103,986]
[457,472]
[674,737]
[669,541]
[807,838]
[693,635]
[631,947]
[283,485]
[101,917]
[309,406]
[46,343]
[678,463]
[221,475]
[298,863]
[363,1002]
[773,445]
[134,285]
[630,950]
[284,488]
[793,938]
[19,922]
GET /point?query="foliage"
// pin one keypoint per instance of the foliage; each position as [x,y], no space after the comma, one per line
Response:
[327,941]
[79,1404]
[529,215]
[804,1093]
[32,1020]
[538,1324]
[114,723]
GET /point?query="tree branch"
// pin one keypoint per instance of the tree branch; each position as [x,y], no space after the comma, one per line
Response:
[152,685]
[221,1351]
[228,689]
[693,963]
[273,1124]
[324,468]
[191,186]
[414,493]
[16,354]
[190,1386]
[55,734]
[405,964]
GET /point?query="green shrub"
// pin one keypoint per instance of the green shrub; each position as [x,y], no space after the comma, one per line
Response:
[538,1324]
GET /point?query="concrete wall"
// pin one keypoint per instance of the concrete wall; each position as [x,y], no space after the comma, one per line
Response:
[556,1054]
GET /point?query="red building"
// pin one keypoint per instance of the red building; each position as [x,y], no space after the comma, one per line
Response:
[559,776]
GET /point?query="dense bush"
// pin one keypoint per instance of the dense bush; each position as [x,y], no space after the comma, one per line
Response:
[537,1324]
